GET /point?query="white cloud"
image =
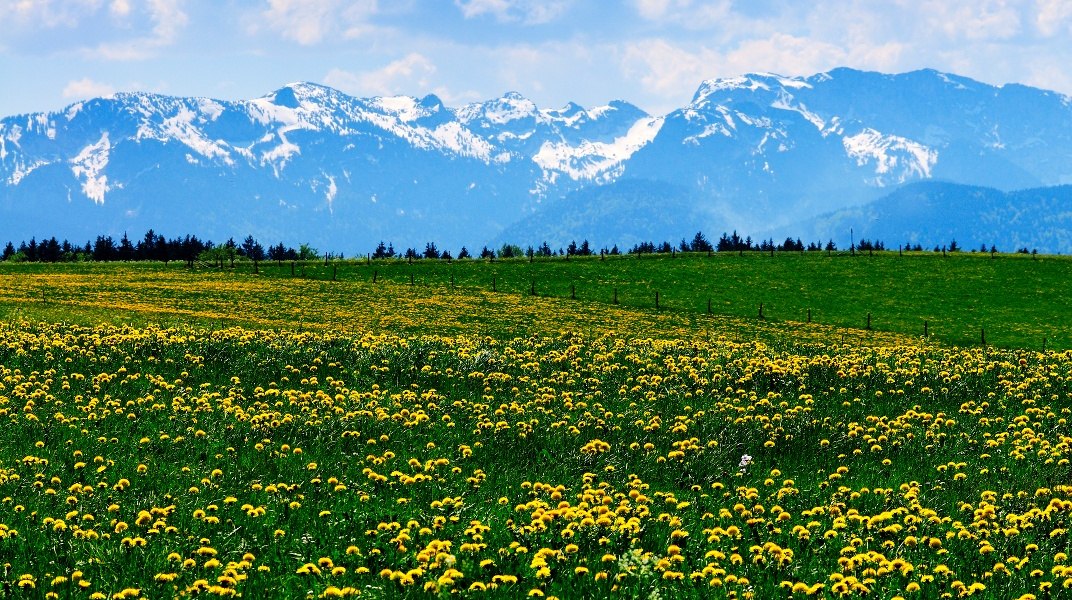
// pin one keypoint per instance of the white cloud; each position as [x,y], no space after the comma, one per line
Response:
[689,14]
[531,12]
[120,8]
[969,19]
[1053,17]
[784,54]
[168,20]
[310,22]
[45,13]
[409,74]
[670,72]
[666,70]
[86,88]
[132,30]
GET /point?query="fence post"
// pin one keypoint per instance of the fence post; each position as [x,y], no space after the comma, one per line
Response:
[656,299]
[615,295]
[925,324]
[809,315]
[869,321]
[494,284]
[708,306]
[573,292]
[760,310]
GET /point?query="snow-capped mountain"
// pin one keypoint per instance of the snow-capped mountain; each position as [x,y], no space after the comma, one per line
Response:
[309,163]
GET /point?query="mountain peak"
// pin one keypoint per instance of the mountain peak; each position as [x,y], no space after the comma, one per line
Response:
[750,82]
[286,97]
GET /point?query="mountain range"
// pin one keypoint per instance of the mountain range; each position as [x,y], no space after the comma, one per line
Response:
[760,153]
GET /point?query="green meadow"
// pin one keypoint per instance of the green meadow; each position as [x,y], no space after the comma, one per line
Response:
[387,429]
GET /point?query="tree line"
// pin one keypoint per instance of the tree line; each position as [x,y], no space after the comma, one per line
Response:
[152,247]
[190,249]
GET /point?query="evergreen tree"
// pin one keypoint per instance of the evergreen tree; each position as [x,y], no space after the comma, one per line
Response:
[277,252]
[126,249]
[700,243]
[381,251]
[49,251]
[104,249]
[252,249]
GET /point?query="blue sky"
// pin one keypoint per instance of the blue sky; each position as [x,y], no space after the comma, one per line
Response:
[653,53]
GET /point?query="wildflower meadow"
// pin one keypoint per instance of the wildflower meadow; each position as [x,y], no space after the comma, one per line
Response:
[177,434]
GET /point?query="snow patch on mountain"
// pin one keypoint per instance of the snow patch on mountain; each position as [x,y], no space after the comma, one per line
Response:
[404,108]
[279,155]
[210,109]
[452,136]
[597,161]
[88,166]
[752,82]
[13,136]
[895,159]
[330,193]
[23,169]
[512,106]
[73,110]
[784,102]
[183,129]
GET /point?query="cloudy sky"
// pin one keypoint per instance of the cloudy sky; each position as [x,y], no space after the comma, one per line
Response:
[651,52]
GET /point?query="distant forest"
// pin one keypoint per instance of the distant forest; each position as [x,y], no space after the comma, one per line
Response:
[190,249]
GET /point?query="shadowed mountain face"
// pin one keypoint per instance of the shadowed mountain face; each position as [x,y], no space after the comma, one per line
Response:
[306,163]
[937,213]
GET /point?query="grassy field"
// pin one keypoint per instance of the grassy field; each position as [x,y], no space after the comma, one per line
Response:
[1016,299]
[168,433]
[1019,301]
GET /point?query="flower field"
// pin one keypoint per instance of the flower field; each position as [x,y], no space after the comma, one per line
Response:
[559,456]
